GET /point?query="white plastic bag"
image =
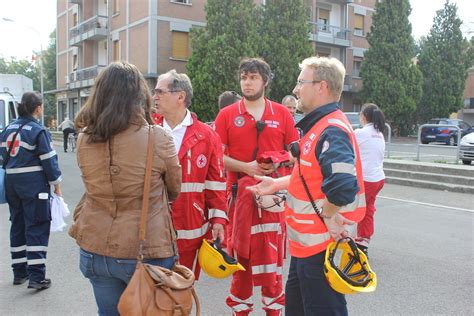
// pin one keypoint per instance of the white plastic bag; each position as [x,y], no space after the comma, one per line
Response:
[59,211]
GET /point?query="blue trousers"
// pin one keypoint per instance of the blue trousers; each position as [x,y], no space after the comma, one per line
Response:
[109,277]
[308,292]
[30,216]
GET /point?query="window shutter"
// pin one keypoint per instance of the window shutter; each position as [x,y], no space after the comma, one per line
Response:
[180,47]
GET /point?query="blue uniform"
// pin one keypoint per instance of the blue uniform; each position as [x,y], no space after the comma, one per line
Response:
[31,169]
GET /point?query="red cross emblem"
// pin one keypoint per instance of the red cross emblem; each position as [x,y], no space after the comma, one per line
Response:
[16,144]
[306,147]
[201,161]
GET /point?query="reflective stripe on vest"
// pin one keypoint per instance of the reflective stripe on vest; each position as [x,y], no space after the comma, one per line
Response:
[193,233]
[307,234]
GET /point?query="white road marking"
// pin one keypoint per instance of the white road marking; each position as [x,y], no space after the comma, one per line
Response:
[428,204]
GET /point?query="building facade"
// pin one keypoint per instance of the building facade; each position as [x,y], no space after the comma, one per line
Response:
[467,113]
[154,35]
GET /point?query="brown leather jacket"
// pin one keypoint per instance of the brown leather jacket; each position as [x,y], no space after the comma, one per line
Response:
[107,219]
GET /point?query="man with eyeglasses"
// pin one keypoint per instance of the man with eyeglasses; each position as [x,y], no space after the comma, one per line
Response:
[199,212]
[248,128]
[325,191]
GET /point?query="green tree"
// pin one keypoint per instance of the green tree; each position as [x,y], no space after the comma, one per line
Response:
[229,35]
[390,78]
[49,78]
[284,42]
[442,62]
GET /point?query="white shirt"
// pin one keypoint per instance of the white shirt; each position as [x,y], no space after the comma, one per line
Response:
[372,147]
[179,130]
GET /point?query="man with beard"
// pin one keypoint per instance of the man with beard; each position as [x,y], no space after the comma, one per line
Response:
[248,128]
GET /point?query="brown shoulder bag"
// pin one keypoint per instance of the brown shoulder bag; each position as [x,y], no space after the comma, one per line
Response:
[154,290]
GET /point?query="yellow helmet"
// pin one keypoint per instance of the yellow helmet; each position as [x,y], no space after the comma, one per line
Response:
[216,262]
[347,268]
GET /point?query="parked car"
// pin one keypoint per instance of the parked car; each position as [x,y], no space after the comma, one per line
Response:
[466,151]
[447,135]
[353,118]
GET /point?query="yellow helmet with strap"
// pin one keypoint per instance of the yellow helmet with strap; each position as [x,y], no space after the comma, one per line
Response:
[347,269]
[215,261]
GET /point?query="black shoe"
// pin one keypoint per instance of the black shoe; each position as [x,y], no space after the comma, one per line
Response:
[19,280]
[65,150]
[41,285]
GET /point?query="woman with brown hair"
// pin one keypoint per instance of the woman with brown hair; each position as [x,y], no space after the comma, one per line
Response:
[111,153]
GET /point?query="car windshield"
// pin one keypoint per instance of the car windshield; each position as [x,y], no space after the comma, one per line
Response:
[353,117]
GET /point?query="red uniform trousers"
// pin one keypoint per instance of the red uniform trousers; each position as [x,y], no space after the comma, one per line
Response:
[365,228]
[264,234]
[241,291]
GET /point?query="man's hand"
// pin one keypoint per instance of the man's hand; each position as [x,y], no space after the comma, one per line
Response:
[335,225]
[218,232]
[252,168]
[266,186]
[267,168]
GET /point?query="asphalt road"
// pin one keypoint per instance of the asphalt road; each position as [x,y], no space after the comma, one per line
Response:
[422,253]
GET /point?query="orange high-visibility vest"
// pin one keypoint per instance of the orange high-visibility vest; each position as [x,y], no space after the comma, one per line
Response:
[307,233]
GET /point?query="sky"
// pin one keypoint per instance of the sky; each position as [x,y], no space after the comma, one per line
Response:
[34,20]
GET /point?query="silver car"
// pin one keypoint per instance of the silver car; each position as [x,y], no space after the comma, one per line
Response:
[466,151]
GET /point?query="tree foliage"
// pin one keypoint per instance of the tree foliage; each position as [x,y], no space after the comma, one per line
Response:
[230,34]
[284,43]
[278,32]
[391,80]
[444,65]
[31,70]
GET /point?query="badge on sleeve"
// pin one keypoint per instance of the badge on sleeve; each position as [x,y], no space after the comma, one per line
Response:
[239,121]
[325,146]
[201,161]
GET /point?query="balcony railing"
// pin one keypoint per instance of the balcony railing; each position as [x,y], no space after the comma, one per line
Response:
[330,30]
[94,28]
[84,77]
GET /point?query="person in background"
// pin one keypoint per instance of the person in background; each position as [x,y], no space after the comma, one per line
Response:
[199,212]
[67,126]
[31,167]
[330,200]
[290,102]
[111,154]
[372,149]
[248,128]
[227,98]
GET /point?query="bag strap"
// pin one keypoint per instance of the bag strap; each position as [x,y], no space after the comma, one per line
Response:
[168,291]
[146,191]
[7,158]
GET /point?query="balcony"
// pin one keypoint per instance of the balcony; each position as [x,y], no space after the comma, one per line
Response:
[330,34]
[93,29]
[84,77]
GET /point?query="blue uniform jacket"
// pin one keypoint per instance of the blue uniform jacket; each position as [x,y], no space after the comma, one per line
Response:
[32,151]
[340,188]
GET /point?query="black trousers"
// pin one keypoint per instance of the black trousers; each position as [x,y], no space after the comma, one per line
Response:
[308,292]
[66,133]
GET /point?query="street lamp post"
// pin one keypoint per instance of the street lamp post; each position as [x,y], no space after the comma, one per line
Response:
[40,60]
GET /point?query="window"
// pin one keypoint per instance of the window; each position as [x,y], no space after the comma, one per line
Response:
[116,55]
[359,25]
[116,6]
[74,19]
[180,46]
[74,62]
[356,68]
[182,1]
[323,20]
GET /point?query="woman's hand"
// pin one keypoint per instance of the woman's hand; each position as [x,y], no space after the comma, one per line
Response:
[57,190]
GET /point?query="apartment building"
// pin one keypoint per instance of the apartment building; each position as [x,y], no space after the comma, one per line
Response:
[153,35]
[467,113]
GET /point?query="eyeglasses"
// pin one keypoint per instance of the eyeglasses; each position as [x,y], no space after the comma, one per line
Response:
[163,91]
[301,82]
